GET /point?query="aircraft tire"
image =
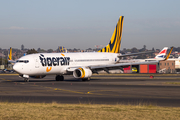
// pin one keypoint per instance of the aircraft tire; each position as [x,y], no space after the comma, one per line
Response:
[26,80]
[86,79]
[59,78]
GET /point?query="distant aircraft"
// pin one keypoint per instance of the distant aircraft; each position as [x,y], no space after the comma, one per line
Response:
[62,49]
[80,65]
[10,57]
[162,53]
[160,56]
[10,54]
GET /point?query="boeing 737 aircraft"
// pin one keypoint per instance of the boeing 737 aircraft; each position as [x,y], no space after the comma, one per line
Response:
[80,65]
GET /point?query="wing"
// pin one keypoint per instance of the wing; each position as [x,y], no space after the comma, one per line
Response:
[97,68]
[106,68]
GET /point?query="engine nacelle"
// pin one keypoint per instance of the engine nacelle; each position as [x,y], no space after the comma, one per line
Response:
[82,73]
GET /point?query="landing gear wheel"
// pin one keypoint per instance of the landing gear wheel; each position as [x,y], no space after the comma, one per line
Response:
[26,80]
[59,78]
[86,79]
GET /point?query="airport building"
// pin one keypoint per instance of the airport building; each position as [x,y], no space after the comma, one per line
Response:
[161,67]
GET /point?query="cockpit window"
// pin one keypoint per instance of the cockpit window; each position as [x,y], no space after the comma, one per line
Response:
[22,61]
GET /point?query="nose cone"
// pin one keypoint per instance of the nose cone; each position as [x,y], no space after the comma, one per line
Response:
[17,68]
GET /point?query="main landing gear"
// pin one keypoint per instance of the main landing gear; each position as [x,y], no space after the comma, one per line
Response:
[86,79]
[59,78]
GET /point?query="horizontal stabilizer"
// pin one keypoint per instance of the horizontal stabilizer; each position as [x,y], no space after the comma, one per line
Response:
[124,55]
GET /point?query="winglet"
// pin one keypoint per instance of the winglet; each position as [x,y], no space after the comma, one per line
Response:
[168,54]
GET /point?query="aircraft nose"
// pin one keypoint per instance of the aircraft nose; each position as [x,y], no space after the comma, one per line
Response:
[16,68]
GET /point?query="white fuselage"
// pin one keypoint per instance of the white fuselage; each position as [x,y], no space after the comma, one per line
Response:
[57,63]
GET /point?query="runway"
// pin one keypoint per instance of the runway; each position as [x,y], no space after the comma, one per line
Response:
[102,89]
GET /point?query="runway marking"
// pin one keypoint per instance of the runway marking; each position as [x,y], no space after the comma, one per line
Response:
[172,83]
[3,79]
[91,92]
[105,91]
[29,91]
[57,89]
[69,91]
[9,80]
[6,80]
[8,74]
[87,93]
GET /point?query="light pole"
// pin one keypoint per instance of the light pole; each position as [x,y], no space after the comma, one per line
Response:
[2,60]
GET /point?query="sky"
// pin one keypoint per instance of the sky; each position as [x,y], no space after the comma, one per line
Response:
[83,24]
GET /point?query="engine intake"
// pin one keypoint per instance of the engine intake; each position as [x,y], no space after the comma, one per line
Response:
[82,73]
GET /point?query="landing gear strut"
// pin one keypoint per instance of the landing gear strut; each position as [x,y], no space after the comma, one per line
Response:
[59,78]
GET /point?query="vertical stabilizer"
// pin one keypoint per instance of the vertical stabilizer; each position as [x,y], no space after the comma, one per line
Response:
[162,53]
[62,49]
[10,54]
[168,54]
[115,42]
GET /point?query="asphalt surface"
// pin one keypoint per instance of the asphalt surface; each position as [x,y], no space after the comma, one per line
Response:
[102,89]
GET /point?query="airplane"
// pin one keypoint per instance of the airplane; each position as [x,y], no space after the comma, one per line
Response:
[10,54]
[10,57]
[160,56]
[62,49]
[80,65]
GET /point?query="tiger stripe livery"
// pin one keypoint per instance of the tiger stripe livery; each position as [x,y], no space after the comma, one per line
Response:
[10,54]
[115,42]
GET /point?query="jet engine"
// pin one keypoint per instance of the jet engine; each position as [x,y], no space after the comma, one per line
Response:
[82,73]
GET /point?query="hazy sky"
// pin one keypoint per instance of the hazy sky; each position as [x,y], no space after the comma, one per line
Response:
[84,24]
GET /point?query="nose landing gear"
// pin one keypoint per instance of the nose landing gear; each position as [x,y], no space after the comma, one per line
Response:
[26,80]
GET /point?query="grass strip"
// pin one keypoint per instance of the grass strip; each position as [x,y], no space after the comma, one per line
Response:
[55,111]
